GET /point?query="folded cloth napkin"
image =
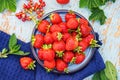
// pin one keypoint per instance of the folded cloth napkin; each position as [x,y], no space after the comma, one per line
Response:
[10,68]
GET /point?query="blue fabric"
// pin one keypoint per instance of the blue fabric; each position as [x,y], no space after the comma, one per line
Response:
[10,68]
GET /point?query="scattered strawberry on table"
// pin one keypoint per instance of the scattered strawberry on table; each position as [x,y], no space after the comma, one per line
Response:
[63,1]
[63,42]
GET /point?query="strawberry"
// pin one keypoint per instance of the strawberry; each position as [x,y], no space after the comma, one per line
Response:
[79,58]
[66,36]
[49,65]
[48,38]
[61,65]
[40,54]
[68,56]
[59,47]
[55,28]
[48,54]
[56,36]
[83,45]
[69,15]
[37,40]
[27,63]
[85,30]
[72,23]
[55,18]
[71,43]
[83,21]
[63,26]
[43,26]
[63,1]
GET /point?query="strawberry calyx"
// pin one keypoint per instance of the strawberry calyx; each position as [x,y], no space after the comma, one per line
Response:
[48,69]
[78,49]
[78,19]
[32,65]
[47,46]
[33,39]
[93,43]
[51,16]
[71,12]
[78,37]
[66,70]
[59,36]
[59,53]
[73,60]
[48,28]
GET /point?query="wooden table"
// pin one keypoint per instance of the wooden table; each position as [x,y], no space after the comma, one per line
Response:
[109,32]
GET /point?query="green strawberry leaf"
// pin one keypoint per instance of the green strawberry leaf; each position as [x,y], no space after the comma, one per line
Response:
[110,71]
[21,53]
[96,76]
[97,14]
[4,50]
[15,48]
[12,41]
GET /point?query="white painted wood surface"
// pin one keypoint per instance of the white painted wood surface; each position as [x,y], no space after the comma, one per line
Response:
[109,32]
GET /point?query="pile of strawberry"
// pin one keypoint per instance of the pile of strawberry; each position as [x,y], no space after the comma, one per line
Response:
[63,42]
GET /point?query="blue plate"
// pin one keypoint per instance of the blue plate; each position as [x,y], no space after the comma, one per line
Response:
[72,67]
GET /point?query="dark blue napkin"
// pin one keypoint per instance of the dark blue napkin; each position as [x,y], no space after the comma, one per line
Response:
[10,68]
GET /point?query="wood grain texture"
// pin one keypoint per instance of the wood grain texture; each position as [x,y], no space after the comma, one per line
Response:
[109,32]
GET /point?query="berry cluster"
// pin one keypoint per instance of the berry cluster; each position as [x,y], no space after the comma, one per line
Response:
[31,11]
[63,42]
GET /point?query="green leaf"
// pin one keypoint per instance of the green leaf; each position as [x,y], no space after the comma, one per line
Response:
[97,14]
[12,41]
[4,50]
[8,4]
[21,53]
[96,76]
[110,71]
[15,48]
[102,75]
[109,0]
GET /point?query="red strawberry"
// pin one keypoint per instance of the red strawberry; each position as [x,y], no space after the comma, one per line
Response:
[74,33]
[79,58]
[83,21]
[62,1]
[40,54]
[55,28]
[27,63]
[66,36]
[68,56]
[49,65]
[57,36]
[72,23]
[63,26]
[43,26]
[61,65]
[48,38]
[71,43]
[89,38]
[85,30]
[59,47]
[37,40]
[55,18]
[70,15]
[83,45]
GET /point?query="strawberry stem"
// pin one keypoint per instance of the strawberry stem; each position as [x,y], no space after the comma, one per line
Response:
[48,70]
[78,49]
[33,39]
[93,43]
[66,70]
[73,60]
[59,36]
[59,53]
[45,46]
[32,65]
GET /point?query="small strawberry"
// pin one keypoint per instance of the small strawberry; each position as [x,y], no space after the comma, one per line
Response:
[62,1]
[83,21]
[68,56]
[37,40]
[61,65]
[71,43]
[85,30]
[43,26]
[49,65]
[55,28]
[48,38]
[63,26]
[59,47]
[72,23]
[79,58]
[57,36]
[55,18]
[27,63]
[40,54]
[69,15]
[66,36]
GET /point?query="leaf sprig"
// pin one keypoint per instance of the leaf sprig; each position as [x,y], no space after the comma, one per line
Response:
[14,48]
[93,6]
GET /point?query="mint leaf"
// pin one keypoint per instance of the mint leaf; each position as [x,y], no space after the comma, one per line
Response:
[4,50]
[102,75]
[15,48]
[97,14]
[21,53]
[8,4]
[96,76]
[12,41]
